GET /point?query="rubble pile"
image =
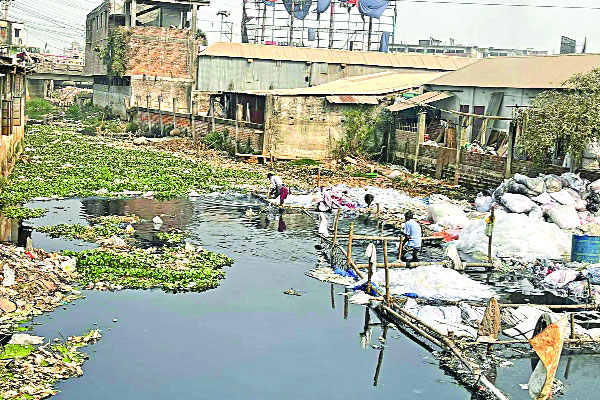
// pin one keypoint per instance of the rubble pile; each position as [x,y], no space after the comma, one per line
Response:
[31,372]
[33,282]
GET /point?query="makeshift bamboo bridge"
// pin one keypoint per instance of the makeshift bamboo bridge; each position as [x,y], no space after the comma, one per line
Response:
[391,309]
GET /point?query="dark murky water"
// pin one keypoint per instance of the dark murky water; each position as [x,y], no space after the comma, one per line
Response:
[245,339]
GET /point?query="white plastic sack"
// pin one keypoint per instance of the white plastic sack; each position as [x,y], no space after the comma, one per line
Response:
[590,163]
[565,217]
[552,183]
[561,277]
[483,203]
[543,198]
[515,235]
[572,180]
[448,215]
[592,151]
[563,197]
[434,282]
[517,203]
[595,186]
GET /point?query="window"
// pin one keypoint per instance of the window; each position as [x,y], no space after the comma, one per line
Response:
[17,33]
[411,50]
[430,50]
[460,51]
[7,117]
[420,50]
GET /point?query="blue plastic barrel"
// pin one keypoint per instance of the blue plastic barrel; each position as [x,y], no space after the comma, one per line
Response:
[585,249]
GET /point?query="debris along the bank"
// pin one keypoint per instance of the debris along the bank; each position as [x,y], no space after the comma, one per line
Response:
[184,268]
[33,282]
[63,164]
[30,372]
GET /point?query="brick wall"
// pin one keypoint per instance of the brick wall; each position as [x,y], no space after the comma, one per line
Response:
[248,133]
[164,52]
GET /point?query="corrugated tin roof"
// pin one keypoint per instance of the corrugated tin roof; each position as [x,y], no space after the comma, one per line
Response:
[306,54]
[350,99]
[373,84]
[424,98]
[537,72]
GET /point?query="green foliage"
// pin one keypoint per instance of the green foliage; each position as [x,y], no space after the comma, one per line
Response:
[172,269]
[569,117]
[16,351]
[367,133]
[220,141]
[169,237]
[74,112]
[64,164]
[22,213]
[114,52]
[36,108]
[77,231]
[304,161]
[132,127]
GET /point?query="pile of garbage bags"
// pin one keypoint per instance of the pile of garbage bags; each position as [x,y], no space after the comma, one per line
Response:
[568,200]
[515,235]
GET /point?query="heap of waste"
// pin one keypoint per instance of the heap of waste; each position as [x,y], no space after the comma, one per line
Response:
[568,200]
[34,282]
[31,370]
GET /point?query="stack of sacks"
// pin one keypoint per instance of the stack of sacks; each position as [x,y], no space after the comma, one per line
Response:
[567,200]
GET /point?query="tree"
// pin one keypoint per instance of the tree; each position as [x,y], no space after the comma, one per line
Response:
[569,117]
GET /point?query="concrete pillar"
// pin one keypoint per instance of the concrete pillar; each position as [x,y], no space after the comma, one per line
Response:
[133,12]
[193,25]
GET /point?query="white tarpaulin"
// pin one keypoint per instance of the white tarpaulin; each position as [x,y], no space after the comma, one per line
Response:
[516,235]
[434,282]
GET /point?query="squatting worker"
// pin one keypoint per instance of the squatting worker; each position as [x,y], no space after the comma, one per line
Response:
[412,239]
[276,184]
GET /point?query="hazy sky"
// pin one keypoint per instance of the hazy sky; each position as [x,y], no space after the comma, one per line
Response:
[59,22]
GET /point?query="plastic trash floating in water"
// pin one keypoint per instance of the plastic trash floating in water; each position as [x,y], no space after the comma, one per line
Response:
[292,292]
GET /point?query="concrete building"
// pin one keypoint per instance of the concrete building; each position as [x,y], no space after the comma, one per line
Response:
[495,86]
[238,66]
[309,122]
[142,51]
[435,46]
[12,121]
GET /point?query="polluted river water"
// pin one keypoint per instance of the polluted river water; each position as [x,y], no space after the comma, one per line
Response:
[246,339]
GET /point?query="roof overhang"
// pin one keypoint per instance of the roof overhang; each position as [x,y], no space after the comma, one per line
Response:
[425,98]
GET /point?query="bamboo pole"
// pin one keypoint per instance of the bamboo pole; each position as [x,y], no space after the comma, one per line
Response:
[388,238]
[412,326]
[525,341]
[492,221]
[319,178]
[420,264]
[162,128]
[572,326]
[387,272]
[148,114]
[349,255]
[335,229]
[369,277]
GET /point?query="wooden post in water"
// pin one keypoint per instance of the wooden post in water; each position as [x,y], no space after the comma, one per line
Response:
[349,255]
[572,326]
[346,303]
[387,273]
[492,221]
[369,277]
[335,229]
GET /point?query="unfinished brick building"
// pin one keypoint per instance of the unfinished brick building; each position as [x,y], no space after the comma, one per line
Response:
[142,52]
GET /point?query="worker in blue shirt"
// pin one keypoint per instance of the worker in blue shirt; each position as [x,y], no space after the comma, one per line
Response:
[412,239]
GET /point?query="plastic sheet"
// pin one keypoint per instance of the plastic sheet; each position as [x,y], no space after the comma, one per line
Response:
[434,282]
[447,215]
[516,235]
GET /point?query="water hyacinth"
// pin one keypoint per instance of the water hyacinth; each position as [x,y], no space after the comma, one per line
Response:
[64,164]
